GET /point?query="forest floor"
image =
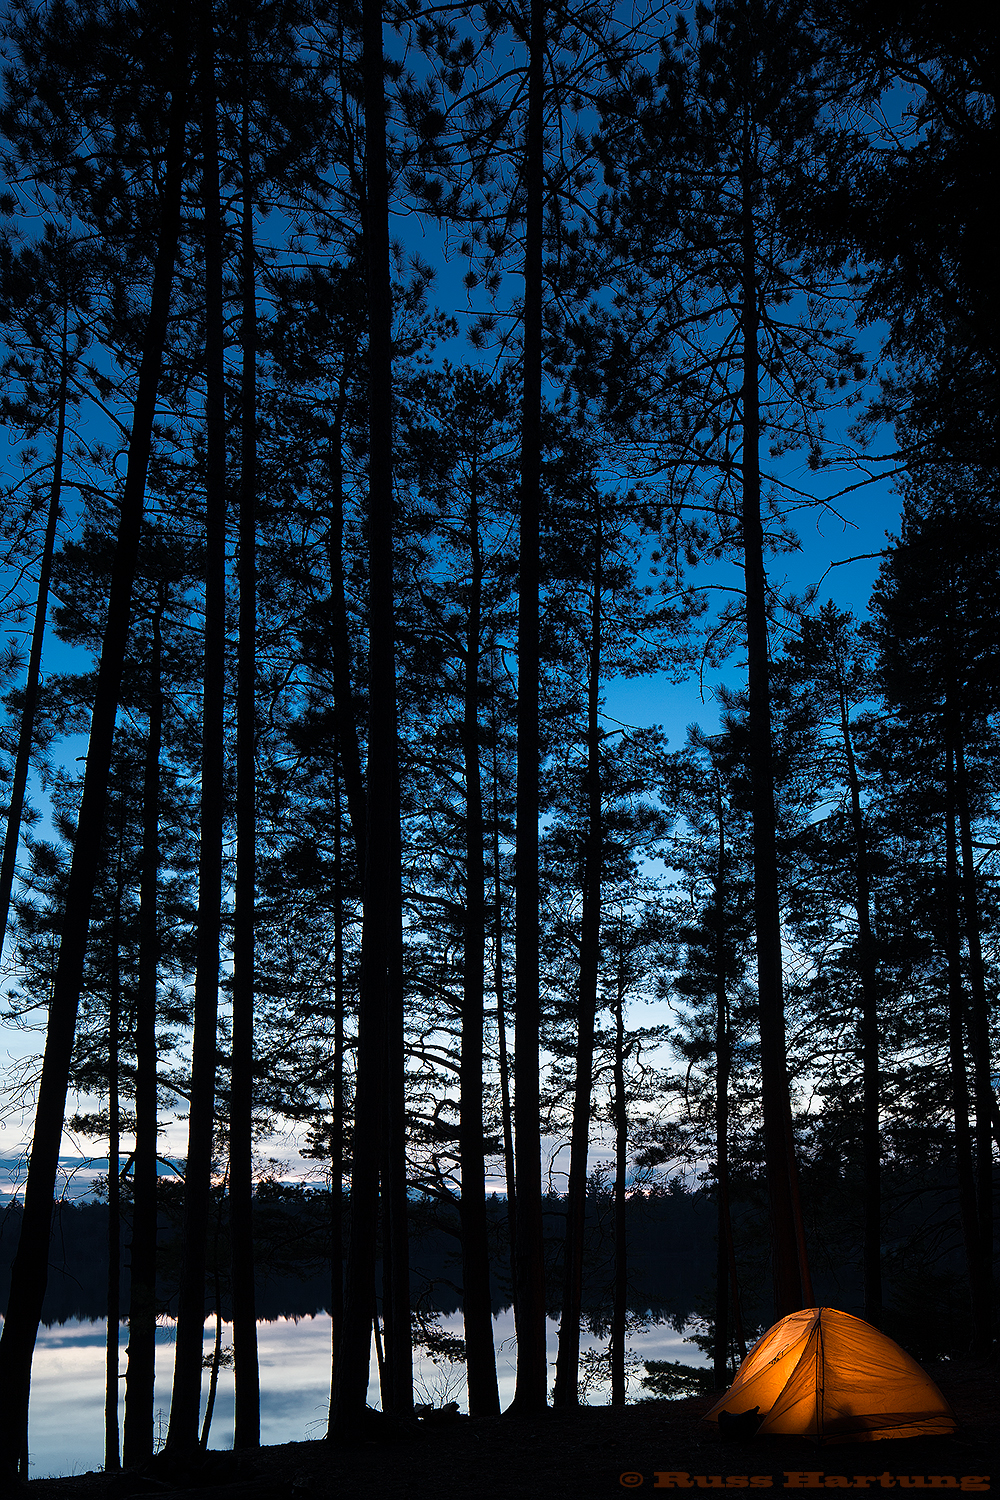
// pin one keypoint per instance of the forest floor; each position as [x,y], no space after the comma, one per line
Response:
[588,1454]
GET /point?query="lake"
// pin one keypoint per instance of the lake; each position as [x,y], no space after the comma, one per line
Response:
[66,1420]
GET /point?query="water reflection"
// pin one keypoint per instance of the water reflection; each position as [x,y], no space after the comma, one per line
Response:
[66,1423]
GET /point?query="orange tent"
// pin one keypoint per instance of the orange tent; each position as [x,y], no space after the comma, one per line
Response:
[823,1374]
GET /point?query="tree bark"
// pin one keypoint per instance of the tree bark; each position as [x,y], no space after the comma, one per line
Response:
[380,1358]
[396,1254]
[964,1172]
[246,1368]
[347,764]
[182,1434]
[141,1367]
[530,1393]
[380,1055]
[566,1390]
[871,1136]
[337,1134]
[789,1270]
[619,1307]
[727,1301]
[343,693]
[30,1267]
[477,1306]
[22,756]
[213,1379]
[498,989]
[112,1433]
[216,1362]
[979,1038]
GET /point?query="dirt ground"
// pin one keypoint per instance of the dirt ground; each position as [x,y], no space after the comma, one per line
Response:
[593,1452]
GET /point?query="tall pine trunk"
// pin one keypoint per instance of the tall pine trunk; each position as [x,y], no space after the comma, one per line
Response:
[788,1265]
[182,1434]
[871,1148]
[727,1300]
[216,1361]
[141,1368]
[347,765]
[30,1268]
[619,1300]
[503,1060]
[566,1390]
[477,1306]
[246,1368]
[395,1249]
[337,1133]
[378,1120]
[979,1038]
[22,755]
[112,1433]
[967,1206]
[343,694]
[530,1393]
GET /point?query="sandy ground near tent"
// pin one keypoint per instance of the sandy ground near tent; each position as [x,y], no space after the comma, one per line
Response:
[587,1455]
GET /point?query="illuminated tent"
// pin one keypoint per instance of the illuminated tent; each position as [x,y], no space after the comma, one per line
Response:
[825,1375]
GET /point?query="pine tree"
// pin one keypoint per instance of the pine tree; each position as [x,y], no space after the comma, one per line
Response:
[565,1390]
[937,658]
[28,1275]
[141,1369]
[43,285]
[707,784]
[379,1127]
[530,1394]
[829,677]
[247,1374]
[917,213]
[182,1434]
[704,175]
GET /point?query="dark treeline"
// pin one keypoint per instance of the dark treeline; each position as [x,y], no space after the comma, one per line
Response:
[671,1246]
[350,533]
[670,1242]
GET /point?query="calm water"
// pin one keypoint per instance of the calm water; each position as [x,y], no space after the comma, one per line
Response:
[66,1422]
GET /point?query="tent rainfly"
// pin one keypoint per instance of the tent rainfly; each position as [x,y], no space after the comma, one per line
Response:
[826,1375]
